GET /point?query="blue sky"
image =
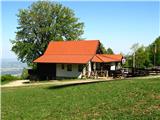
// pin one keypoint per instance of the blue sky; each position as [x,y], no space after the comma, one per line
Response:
[116,24]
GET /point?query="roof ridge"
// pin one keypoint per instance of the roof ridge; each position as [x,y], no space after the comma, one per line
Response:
[70,54]
[109,57]
[76,41]
[99,58]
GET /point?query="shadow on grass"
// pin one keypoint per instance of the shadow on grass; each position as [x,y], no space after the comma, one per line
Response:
[73,84]
[84,83]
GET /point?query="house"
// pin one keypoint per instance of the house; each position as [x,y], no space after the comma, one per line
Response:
[75,59]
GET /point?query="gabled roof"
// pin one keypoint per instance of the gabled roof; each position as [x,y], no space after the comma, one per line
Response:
[80,51]
[107,58]
[81,47]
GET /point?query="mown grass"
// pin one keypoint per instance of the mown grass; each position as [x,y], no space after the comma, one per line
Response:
[120,100]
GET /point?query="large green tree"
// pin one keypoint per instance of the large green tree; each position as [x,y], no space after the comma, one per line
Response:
[40,23]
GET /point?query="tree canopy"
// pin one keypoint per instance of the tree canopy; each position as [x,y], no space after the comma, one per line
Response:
[109,51]
[103,49]
[154,52]
[148,56]
[40,23]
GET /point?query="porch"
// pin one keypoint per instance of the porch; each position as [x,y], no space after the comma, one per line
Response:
[102,70]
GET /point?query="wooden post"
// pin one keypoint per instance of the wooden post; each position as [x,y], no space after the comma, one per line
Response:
[94,68]
[84,71]
[134,61]
[107,74]
[89,69]
[134,64]
[155,51]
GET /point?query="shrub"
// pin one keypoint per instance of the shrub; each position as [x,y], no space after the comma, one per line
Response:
[25,74]
[9,77]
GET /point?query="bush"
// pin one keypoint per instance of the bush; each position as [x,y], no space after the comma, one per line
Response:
[25,74]
[9,77]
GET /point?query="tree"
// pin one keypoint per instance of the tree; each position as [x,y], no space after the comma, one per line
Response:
[24,74]
[139,57]
[42,22]
[129,60]
[109,51]
[154,52]
[104,51]
[142,57]
[102,48]
[134,48]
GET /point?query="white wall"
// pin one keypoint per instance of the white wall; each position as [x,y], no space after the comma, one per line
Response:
[64,73]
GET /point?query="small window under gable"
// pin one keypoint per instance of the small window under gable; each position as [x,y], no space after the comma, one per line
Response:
[62,66]
[69,67]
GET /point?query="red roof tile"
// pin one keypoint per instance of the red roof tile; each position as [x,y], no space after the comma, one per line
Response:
[107,58]
[69,52]
[81,47]
[64,59]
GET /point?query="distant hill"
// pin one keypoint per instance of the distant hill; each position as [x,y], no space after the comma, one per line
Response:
[12,66]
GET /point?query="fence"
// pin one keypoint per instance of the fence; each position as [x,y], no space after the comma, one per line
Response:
[140,72]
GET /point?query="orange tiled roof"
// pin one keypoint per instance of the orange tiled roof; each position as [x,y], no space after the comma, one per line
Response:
[64,59]
[107,58]
[69,52]
[82,47]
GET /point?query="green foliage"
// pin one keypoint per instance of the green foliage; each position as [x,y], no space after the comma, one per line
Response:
[25,74]
[138,55]
[141,57]
[114,100]
[109,51]
[8,78]
[103,49]
[129,61]
[144,56]
[154,49]
[42,22]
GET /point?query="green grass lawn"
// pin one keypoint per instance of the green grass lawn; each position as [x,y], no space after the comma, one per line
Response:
[121,99]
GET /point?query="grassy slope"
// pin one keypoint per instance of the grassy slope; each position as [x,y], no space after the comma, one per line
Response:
[138,99]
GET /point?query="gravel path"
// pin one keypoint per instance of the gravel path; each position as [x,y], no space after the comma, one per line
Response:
[53,82]
[69,82]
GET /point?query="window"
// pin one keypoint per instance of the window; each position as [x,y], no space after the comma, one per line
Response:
[62,66]
[80,68]
[69,67]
